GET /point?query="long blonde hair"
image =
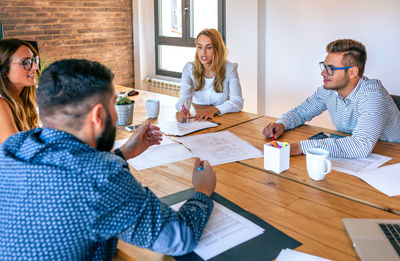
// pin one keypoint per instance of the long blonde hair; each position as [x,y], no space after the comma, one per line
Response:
[23,106]
[217,64]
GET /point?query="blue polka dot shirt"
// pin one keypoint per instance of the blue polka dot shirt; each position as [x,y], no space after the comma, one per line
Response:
[61,199]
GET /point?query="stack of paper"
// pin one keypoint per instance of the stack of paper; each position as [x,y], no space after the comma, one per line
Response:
[224,230]
[180,129]
[356,166]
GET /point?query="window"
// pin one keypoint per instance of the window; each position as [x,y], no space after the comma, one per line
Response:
[177,23]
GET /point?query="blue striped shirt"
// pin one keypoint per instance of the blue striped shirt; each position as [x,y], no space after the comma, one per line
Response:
[368,113]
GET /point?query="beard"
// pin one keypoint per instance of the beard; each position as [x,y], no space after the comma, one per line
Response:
[105,141]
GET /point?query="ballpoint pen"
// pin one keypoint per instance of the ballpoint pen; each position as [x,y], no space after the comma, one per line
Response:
[200,168]
[184,111]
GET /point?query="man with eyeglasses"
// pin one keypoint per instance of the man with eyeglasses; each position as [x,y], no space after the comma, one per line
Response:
[356,104]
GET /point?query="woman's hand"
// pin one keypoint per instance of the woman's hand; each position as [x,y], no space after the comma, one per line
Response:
[205,114]
[181,116]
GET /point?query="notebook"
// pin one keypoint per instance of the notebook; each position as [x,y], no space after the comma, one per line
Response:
[374,239]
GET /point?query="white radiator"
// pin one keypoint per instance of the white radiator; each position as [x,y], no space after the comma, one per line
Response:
[163,87]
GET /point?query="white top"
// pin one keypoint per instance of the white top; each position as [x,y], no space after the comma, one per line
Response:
[230,100]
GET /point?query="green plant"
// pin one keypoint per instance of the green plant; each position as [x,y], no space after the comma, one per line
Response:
[44,63]
[123,101]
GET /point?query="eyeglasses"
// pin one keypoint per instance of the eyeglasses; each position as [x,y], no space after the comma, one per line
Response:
[28,63]
[330,69]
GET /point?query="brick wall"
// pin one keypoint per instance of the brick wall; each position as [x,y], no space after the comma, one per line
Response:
[99,30]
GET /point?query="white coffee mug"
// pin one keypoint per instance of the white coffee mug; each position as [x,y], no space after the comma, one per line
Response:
[153,108]
[318,163]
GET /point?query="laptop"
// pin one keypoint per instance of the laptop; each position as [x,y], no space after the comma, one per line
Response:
[374,239]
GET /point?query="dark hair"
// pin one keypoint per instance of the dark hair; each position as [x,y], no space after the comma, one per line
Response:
[354,53]
[23,106]
[70,88]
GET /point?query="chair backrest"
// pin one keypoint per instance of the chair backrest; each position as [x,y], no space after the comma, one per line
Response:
[396,100]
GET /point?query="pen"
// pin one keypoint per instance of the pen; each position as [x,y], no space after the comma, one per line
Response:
[184,111]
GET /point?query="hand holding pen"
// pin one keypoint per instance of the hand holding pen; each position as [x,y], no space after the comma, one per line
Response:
[183,115]
[204,177]
[184,111]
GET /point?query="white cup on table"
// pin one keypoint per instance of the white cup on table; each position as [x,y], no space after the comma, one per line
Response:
[152,108]
[318,163]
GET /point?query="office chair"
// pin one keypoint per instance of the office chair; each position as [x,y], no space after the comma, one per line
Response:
[396,100]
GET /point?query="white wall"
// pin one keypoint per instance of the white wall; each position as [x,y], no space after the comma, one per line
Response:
[242,44]
[144,48]
[297,32]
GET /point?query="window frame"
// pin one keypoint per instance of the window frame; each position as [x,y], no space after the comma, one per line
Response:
[185,40]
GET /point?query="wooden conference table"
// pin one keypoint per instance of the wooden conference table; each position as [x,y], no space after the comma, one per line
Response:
[336,182]
[310,212]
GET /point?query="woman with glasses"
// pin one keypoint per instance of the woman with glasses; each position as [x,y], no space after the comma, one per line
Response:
[209,80]
[18,67]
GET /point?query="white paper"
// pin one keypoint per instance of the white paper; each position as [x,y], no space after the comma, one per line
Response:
[385,179]
[167,152]
[356,166]
[224,230]
[180,129]
[290,255]
[220,147]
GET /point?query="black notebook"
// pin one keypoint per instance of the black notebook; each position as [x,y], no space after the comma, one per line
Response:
[263,247]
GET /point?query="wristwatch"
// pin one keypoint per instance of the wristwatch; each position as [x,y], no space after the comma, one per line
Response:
[119,153]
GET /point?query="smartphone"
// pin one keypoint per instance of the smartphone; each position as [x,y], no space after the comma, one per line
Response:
[133,127]
[324,135]
[133,93]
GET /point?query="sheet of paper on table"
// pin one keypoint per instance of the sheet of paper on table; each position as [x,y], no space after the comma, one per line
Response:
[176,128]
[167,152]
[220,147]
[217,148]
[290,255]
[356,166]
[385,179]
[225,229]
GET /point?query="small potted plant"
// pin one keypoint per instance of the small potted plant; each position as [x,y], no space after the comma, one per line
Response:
[124,107]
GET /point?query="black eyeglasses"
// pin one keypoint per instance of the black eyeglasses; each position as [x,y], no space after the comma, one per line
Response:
[330,69]
[28,63]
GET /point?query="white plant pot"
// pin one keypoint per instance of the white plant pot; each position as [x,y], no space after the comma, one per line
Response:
[125,113]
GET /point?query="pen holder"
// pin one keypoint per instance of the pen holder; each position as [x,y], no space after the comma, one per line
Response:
[276,156]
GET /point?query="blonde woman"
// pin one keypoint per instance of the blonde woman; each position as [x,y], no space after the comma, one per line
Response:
[18,67]
[210,80]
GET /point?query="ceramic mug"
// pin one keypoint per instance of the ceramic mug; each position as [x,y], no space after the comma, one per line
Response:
[318,163]
[152,108]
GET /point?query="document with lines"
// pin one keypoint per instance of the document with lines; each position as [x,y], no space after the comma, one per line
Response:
[220,147]
[225,229]
[183,128]
[356,166]
[167,152]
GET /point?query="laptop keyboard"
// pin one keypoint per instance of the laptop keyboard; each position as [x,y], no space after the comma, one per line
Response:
[392,232]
